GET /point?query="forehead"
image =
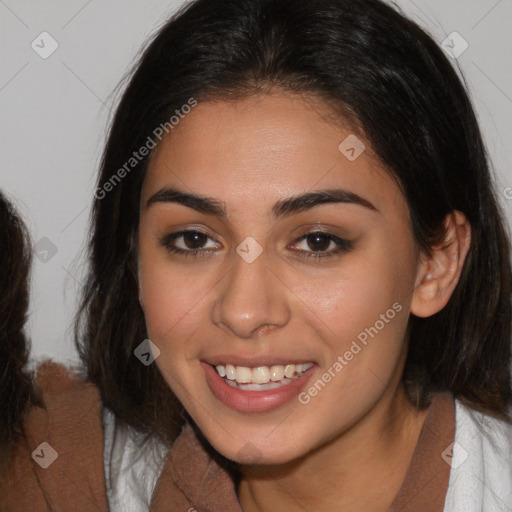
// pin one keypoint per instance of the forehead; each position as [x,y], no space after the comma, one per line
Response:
[263,148]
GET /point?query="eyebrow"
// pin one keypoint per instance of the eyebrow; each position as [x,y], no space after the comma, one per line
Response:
[282,208]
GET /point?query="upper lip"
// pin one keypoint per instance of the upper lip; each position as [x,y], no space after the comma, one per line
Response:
[253,362]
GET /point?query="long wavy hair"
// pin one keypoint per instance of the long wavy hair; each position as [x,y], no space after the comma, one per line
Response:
[383,73]
[17,392]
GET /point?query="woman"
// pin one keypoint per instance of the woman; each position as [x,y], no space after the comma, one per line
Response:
[299,292]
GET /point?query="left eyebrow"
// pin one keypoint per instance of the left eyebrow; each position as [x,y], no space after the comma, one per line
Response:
[282,208]
[310,200]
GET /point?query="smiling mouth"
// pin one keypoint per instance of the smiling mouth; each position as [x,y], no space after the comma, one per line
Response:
[261,378]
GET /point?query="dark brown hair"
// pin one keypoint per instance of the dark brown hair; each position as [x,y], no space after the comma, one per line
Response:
[368,58]
[16,389]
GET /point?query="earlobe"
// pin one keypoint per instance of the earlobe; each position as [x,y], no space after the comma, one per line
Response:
[439,273]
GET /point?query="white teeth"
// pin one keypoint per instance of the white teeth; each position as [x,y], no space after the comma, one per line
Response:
[243,374]
[230,372]
[276,373]
[289,370]
[259,387]
[261,377]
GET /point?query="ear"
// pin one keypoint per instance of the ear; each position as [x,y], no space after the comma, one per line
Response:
[439,273]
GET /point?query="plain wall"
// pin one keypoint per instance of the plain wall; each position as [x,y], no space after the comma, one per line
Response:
[55,112]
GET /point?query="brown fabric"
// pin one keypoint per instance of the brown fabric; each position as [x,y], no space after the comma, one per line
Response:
[72,425]
[202,484]
[426,483]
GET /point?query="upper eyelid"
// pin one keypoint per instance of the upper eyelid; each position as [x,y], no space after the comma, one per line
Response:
[178,234]
[334,238]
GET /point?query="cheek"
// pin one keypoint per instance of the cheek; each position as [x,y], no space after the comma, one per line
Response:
[350,299]
[172,311]
[362,322]
[360,312]
[169,298]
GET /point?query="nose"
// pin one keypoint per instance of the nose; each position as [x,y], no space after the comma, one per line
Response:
[251,299]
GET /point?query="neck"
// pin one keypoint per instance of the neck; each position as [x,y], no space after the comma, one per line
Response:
[361,470]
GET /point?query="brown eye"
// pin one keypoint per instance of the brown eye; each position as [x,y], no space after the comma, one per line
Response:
[318,241]
[191,242]
[319,244]
[194,239]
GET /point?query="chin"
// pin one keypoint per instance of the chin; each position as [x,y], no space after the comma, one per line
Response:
[262,451]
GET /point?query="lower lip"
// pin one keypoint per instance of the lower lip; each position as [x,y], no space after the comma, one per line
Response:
[253,401]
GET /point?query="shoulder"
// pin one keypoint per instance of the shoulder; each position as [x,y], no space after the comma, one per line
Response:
[481,465]
[58,463]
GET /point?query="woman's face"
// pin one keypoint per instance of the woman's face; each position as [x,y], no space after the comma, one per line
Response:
[297,253]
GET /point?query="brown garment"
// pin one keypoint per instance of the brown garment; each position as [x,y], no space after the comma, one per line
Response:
[190,478]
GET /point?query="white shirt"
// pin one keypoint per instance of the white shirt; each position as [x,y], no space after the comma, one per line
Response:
[481,472]
[131,468]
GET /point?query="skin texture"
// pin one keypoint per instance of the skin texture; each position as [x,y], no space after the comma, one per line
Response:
[351,445]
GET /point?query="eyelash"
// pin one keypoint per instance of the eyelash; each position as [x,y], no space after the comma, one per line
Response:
[343,245]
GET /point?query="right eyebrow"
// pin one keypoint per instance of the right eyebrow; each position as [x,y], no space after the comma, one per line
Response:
[202,204]
[282,208]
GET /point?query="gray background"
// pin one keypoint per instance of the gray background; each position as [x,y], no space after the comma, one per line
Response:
[55,112]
